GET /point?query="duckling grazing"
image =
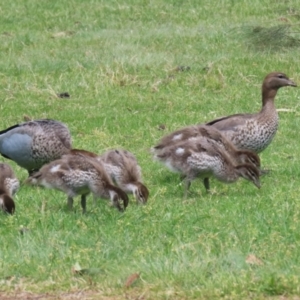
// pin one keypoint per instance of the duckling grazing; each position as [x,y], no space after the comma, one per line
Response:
[255,131]
[123,168]
[79,175]
[9,185]
[202,158]
[34,143]
[214,136]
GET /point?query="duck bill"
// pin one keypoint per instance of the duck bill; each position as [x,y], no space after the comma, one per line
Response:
[292,83]
[257,184]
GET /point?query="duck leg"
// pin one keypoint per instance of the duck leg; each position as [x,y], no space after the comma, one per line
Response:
[95,199]
[206,184]
[187,187]
[182,177]
[70,203]
[83,203]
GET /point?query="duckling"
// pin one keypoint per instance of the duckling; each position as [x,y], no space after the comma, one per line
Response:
[214,136]
[9,185]
[123,168]
[32,144]
[202,158]
[255,131]
[79,175]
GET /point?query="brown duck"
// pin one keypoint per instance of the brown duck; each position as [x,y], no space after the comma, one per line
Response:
[211,133]
[79,175]
[9,185]
[213,136]
[255,131]
[123,168]
[35,143]
[201,158]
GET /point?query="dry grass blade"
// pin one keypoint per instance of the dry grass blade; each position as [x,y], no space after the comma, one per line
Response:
[62,34]
[253,260]
[131,279]
[285,110]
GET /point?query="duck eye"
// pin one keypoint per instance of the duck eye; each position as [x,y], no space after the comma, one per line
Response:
[280,76]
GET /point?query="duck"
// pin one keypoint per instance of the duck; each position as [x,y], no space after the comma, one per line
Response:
[194,132]
[122,166]
[34,143]
[202,158]
[255,131]
[9,185]
[215,135]
[79,175]
[123,169]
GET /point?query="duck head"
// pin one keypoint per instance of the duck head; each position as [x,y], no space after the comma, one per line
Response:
[7,204]
[276,80]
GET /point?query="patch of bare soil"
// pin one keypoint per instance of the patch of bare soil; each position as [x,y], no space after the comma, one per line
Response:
[83,295]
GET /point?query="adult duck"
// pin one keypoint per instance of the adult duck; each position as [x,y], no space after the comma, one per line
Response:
[34,143]
[256,131]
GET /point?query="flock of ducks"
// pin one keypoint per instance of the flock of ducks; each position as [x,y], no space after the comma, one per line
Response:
[226,149]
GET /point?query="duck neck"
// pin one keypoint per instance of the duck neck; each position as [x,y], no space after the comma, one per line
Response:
[268,96]
[130,187]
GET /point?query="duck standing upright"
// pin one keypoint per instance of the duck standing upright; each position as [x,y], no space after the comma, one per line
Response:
[35,143]
[255,131]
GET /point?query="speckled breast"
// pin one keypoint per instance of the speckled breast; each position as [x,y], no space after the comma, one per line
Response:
[255,136]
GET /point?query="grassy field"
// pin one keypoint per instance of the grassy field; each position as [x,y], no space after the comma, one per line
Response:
[131,67]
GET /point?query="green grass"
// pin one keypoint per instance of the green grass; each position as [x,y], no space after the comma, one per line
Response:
[118,60]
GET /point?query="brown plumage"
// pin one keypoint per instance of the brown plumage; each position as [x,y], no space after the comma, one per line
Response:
[195,131]
[214,136]
[79,175]
[200,157]
[123,168]
[9,185]
[83,152]
[34,143]
[255,131]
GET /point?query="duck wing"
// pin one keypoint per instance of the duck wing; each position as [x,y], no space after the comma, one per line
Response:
[231,123]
